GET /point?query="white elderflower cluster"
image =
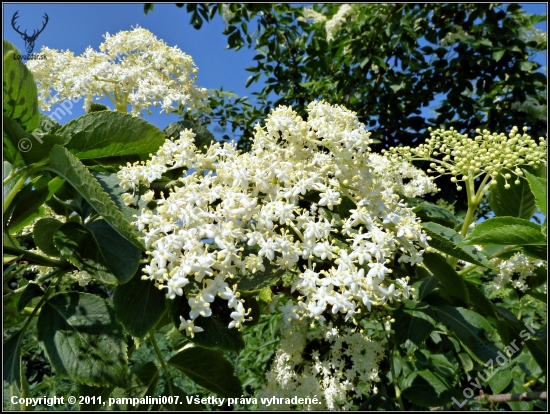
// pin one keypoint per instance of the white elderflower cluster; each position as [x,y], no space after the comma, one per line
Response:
[310,14]
[281,204]
[337,21]
[520,265]
[174,153]
[344,359]
[407,179]
[132,68]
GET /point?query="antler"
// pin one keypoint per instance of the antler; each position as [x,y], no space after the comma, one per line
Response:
[34,35]
[15,16]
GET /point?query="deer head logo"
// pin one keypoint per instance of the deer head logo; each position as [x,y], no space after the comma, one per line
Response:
[29,40]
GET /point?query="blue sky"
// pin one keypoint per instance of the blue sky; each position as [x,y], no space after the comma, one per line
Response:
[77,26]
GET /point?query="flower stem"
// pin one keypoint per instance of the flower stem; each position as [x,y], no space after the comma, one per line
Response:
[13,192]
[395,385]
[162,363]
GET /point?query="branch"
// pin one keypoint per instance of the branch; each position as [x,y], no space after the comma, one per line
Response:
[501,398]
[524,396]
[35,258]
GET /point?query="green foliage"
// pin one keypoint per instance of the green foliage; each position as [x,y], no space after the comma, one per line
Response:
[32,290]
[203,137]
[139,305]
[428,389]
[473,331]
[412,324]
[12,361]
[20,94]
[447,240]
[506,231]
[450,281]
[103,137]
[386,62]
[70,168]
[90,249]
[83,340]
[208,369]
[538,188]
[516,201]
[43,235]
[22,148]
[143,381]
[216,334]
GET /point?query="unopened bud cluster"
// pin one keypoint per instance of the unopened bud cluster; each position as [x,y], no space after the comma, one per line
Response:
[467,158]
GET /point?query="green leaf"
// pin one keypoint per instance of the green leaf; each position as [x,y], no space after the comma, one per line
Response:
[20,93]
[12,359]
[31,291]
[446,240]
[518,388]
[100,135]
[95,107]
[538,188]
[428,390]
[412,324]
[147,7]
[525,65]
[429,212]
[537,252]
[28,203]
[450,281]
[83,339]
[500,380]
[91,249]
[176,339]
[70,168]
[516,201]
[480,302]
[123,261]
[210,370]
[260,279]
[216,333]
[466,361]
[506,231]
[473,331]
[345,206]
[111,185]
[139,305]
[87,394]
[182,404]
[497,55]
[143,382]
[43,232]
[23,148]
[428,285]
[48,125]
[202,135]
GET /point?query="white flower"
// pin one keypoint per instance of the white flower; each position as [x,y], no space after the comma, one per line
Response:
[189,327]
[132,68]
[233,212]
[199,307]
[238,316]
[175,286]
